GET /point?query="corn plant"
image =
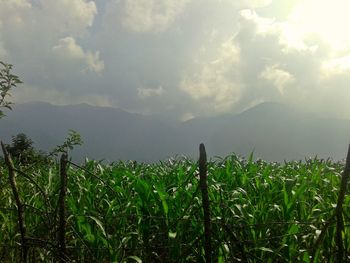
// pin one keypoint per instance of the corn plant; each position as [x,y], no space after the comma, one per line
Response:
[139,212]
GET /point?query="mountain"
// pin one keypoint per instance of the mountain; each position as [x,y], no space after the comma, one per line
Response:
[272,131]
[275,132]
[108,133]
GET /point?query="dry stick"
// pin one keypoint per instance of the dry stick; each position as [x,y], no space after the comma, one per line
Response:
[46,198]
[62,208]
[338,215]
[339,209]
[205,201]
[21,224]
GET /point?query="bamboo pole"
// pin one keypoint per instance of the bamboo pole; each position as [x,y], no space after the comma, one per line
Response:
[62,208]
[339,209]
[20,211]
[205,202]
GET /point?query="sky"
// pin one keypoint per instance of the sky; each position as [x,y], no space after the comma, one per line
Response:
[180,58]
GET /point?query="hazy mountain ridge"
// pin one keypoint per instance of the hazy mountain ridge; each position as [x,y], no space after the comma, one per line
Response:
[273,131]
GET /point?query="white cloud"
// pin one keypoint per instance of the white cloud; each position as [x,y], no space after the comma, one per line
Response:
[279,77]
[306,69]
[154,16]
[214,85]
[52,18]
[67,49]
[291,36]
[144,93]
[31,28]
[94,62]
[67,17]
[264,26]
[12,13]
[328,19]
[256,3]
[336,66]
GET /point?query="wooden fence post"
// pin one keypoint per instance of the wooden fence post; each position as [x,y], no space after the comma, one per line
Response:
[62,208]
[20,211]
[339,208]
[205,202]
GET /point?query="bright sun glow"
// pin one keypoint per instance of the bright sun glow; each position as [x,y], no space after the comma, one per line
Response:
[329,19]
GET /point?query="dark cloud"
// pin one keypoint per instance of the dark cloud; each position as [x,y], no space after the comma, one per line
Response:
[173,58]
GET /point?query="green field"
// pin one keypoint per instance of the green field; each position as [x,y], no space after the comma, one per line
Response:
[136,212]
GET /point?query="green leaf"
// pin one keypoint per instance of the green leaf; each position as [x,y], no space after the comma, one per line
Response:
[266,249]
[172,234]
[306,257]
[72,140]
[161,195]
[250,158]
[294,229]
[137,259]
[90,237]
[99,223]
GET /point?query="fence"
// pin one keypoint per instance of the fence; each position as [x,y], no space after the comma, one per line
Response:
[207,246]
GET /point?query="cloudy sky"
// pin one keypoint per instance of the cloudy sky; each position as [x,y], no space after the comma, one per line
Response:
[180,58]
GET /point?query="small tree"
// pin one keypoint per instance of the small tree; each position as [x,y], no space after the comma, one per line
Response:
[7,82]
[72,140]
[22,151]
[21,148]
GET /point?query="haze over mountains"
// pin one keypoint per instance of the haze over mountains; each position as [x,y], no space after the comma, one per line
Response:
[273,131]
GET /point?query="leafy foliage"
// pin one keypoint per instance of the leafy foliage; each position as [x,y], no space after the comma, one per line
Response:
[72,140]
[22,151]
[7,82]
[21,148]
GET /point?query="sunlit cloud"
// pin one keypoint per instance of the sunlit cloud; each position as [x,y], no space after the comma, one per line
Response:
[336,66]
[151,15]
[145,93]
[278,77]
[67,49]
[263,25]
[329,19]
[256,3]
[214,84]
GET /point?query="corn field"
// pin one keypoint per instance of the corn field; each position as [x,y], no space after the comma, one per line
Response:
[138,212]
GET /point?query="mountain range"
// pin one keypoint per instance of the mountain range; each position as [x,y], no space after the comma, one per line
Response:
[271,131]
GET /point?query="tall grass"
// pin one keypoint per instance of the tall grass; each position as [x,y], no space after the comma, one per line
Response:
[133,212]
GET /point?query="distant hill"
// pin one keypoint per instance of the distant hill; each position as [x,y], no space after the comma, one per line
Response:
[108,133]
[273,131]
